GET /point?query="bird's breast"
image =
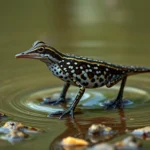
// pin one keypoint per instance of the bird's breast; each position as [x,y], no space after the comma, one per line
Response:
[58,72]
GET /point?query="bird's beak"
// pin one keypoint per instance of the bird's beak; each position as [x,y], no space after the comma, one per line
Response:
[28,55]
[22,55]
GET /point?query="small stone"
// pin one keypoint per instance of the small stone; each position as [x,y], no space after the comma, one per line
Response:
[142,131]
[100,129]
[71,141]
[17,126]
[129,143]
[14,136]
[10,126]
[103,146]
[16,131]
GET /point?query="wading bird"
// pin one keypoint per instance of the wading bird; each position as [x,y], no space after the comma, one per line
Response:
[81,72]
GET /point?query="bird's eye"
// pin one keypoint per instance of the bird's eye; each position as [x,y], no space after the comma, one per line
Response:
[41,49]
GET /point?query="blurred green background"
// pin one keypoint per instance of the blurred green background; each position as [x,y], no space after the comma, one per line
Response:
[111,30]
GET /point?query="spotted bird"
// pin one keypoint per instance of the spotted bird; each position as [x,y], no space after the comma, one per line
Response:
[81,72]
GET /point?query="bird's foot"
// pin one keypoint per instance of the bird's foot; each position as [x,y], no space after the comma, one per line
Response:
[62,114]
[117,104]
[49,101]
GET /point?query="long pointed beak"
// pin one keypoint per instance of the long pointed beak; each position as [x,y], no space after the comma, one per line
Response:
[25,55]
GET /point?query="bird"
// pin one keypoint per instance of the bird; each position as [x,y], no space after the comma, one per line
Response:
[81,72]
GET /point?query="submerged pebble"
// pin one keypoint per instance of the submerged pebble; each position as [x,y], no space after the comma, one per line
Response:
[71,141]
[129,143]
[14,136]
[11,126]
[99,129]
[145,132]
[16,131]
[103,146]
[99,132]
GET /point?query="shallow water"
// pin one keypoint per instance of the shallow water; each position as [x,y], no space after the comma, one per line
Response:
[117,32]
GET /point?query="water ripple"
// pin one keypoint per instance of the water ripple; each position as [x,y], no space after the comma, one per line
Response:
[24,104]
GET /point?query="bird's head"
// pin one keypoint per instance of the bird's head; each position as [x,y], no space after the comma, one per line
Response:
[41,51]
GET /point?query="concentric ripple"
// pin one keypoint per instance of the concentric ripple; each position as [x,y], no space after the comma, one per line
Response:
[91,99]
[22,100]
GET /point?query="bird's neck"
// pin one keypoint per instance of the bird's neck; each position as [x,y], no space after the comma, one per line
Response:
[53,57]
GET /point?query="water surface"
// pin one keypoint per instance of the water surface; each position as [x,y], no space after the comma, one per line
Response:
[116,31]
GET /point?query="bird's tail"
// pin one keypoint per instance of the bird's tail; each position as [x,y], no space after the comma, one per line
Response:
[136,70]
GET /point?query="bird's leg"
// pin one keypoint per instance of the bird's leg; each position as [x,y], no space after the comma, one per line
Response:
[62,97]
[70,110]
[118,102]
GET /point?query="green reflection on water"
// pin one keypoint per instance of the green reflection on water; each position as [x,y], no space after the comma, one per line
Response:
[116,31]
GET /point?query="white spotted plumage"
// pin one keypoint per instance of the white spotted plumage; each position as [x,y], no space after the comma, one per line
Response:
[82,72]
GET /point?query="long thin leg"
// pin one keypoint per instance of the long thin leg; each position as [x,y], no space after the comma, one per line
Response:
[120,94]
[62,97]
[118,103]
[70,110]
[64,91]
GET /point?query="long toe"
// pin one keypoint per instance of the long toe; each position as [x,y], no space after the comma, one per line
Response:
[68,112]
[50,101]
[62,114]
[58,101]
[55,114]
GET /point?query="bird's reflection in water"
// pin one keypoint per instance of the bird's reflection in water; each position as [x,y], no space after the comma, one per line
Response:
[79,128]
